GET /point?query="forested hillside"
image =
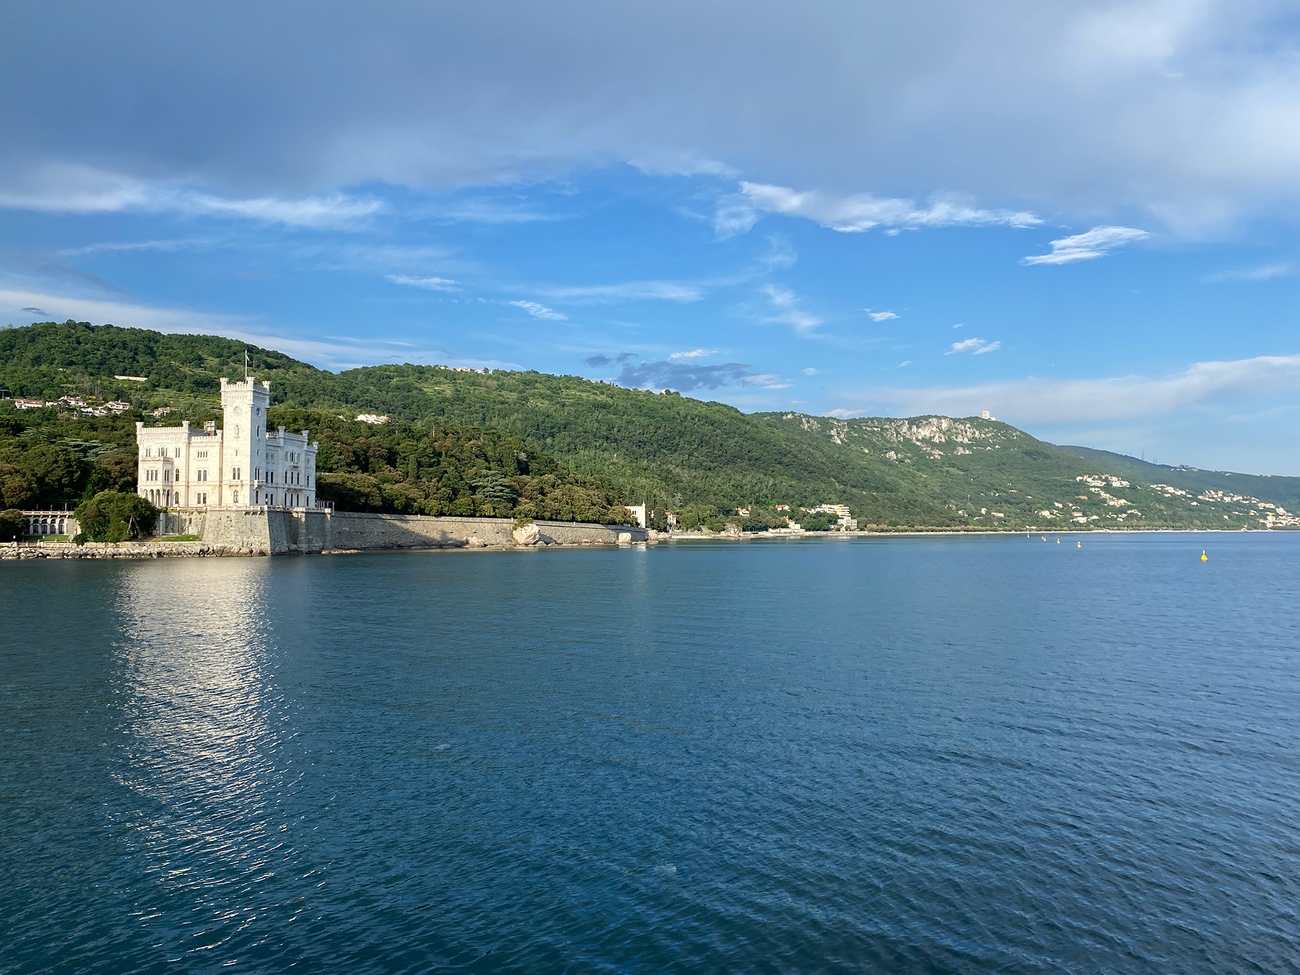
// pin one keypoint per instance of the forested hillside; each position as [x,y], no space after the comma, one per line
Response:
[523,441]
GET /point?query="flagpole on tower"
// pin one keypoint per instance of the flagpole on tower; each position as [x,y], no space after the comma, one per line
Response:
[245,365]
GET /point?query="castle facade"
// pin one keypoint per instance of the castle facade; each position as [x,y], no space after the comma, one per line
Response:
[240,465]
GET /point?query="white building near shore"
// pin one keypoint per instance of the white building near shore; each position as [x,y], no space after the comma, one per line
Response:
[240,465]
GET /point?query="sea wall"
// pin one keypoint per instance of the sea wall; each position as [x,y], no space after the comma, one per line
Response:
[351,530]
[120,550]
[279,532]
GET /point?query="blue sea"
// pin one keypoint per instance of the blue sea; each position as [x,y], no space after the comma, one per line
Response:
[972,754]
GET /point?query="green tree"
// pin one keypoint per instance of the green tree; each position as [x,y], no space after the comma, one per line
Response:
[58,470]
[818,522]
[17,490]
[115,470]
[114,516]
[13,523]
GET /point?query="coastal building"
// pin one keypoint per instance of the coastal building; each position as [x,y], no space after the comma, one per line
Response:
[240,465]
[638,512]
[43,523]
[846,521]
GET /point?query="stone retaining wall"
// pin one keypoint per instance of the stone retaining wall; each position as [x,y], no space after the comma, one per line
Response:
[121,550]
[277,532]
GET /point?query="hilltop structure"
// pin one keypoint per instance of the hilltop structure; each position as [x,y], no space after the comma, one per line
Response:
[238,466]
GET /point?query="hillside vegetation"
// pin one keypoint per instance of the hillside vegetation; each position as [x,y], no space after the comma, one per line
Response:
[526,441]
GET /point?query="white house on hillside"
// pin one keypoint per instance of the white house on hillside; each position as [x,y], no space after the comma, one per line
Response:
[240,465]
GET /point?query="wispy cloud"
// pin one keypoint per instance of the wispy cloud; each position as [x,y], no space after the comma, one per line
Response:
[785,304]
[337,210]
[1035,400]
[767,380]
[974,346]
[692,354]
[856,213]
[780,253]
[428,284]
[624,291]
[484,211]
[687,376]
[596,361]
[82,189]
[810,371]
[1097,242]
[165,246]
[880,316]
[1266,273]
[680,376]
[539,311]
[49,265]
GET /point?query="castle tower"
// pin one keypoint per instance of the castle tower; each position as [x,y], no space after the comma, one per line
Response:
[244,405]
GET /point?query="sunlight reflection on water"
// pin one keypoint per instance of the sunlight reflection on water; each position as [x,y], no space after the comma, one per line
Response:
[204,736]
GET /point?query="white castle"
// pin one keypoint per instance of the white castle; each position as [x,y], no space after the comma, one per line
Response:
[239,466]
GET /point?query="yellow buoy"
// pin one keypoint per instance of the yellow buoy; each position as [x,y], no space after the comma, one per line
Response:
[1204,557]
[1078,544]
[1044,538]
[1058,541]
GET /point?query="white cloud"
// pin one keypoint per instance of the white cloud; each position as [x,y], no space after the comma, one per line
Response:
[63,188]
[1069,400]
[810,371]
[1184,109]
[787,310]
[625,291]
[880,316]
[539,311]
[428,284]
[1266,273]
[976,346]
[856,213]
[1097,242]
[693,354]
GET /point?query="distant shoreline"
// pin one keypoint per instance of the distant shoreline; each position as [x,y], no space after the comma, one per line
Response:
[98,551]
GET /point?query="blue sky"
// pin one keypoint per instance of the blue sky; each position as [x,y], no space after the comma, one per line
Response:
[1082,218]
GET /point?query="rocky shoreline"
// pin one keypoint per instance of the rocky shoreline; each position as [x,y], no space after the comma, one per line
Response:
[121,550]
